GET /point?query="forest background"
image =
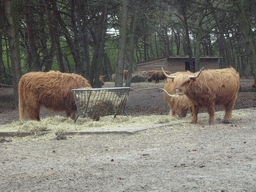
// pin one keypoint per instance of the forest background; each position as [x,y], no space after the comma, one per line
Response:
[102,37]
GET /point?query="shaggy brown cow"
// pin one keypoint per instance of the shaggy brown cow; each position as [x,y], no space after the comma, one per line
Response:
[125,73]
[178,104]
[209,88]
[114,77]
[50,89]
[158,76]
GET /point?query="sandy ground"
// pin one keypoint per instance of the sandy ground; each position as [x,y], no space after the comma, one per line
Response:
[182,157]
[174,158]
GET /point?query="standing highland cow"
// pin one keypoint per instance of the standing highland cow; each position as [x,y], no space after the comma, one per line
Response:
[50,89]
[209,88]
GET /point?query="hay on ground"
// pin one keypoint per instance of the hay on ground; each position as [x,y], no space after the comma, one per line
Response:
[50,127]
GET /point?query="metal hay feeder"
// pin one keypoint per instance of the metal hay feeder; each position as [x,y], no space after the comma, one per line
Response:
[97,102]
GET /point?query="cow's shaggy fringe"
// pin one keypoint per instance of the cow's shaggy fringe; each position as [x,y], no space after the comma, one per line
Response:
[178,105]
[50,89]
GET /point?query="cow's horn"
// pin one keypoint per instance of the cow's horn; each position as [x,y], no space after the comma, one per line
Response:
[195,76]
[168,93]
[172,77]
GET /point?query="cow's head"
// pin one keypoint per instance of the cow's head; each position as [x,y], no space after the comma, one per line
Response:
[182,80]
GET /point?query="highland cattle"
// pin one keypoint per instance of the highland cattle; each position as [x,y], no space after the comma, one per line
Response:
[207,89]
[157,75]
[50,89]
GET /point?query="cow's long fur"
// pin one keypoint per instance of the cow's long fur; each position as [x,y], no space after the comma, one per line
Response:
[216,87]
[50,89]
[178,105]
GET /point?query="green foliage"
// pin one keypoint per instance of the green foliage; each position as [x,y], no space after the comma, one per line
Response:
[159,30]
[111,48]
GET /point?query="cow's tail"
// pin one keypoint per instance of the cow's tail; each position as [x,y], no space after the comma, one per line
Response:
[21,99]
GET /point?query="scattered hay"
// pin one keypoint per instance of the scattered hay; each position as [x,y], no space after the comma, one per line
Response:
[50,127]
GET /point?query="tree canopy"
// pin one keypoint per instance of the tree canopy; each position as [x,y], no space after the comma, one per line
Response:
[94,38]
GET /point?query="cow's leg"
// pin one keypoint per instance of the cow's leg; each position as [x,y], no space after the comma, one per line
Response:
[183,112]
[211,111]
[194,114]
[71,114]
[173,112]
[33,112]
[68,113]
[228,111]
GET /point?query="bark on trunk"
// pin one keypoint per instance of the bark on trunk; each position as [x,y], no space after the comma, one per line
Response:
[48,59]
[12,16]
[122,46]
[192,67]
[130,68]
[31,38]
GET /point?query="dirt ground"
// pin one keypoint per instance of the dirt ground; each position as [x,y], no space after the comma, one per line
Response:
[183,157]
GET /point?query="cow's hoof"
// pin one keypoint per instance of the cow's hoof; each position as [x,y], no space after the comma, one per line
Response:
[225,121]
[182,115]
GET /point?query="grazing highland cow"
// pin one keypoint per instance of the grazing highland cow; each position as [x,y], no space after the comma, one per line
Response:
[209,88]
[158,76]
[178,104]
[125,73]
[50,89]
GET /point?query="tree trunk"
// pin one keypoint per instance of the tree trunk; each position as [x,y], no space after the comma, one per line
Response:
[99,49]
[67,36]
[192,67]
[197,55]
[108,68]
[31,38]
[48,59]
[83,39]
[122,46]
[177,41]
[223,48]
[1,60]
[130,68]
[248,36]
[76,46]
[12,15]
[156,46]
[58,51]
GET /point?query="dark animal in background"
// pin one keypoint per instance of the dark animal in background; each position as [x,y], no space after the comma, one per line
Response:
[158,76]
[101,79]
[50,89]
[207,89]
[125,73]
[253,84]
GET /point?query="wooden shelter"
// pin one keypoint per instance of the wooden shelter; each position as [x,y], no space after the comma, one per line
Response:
[177,63]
